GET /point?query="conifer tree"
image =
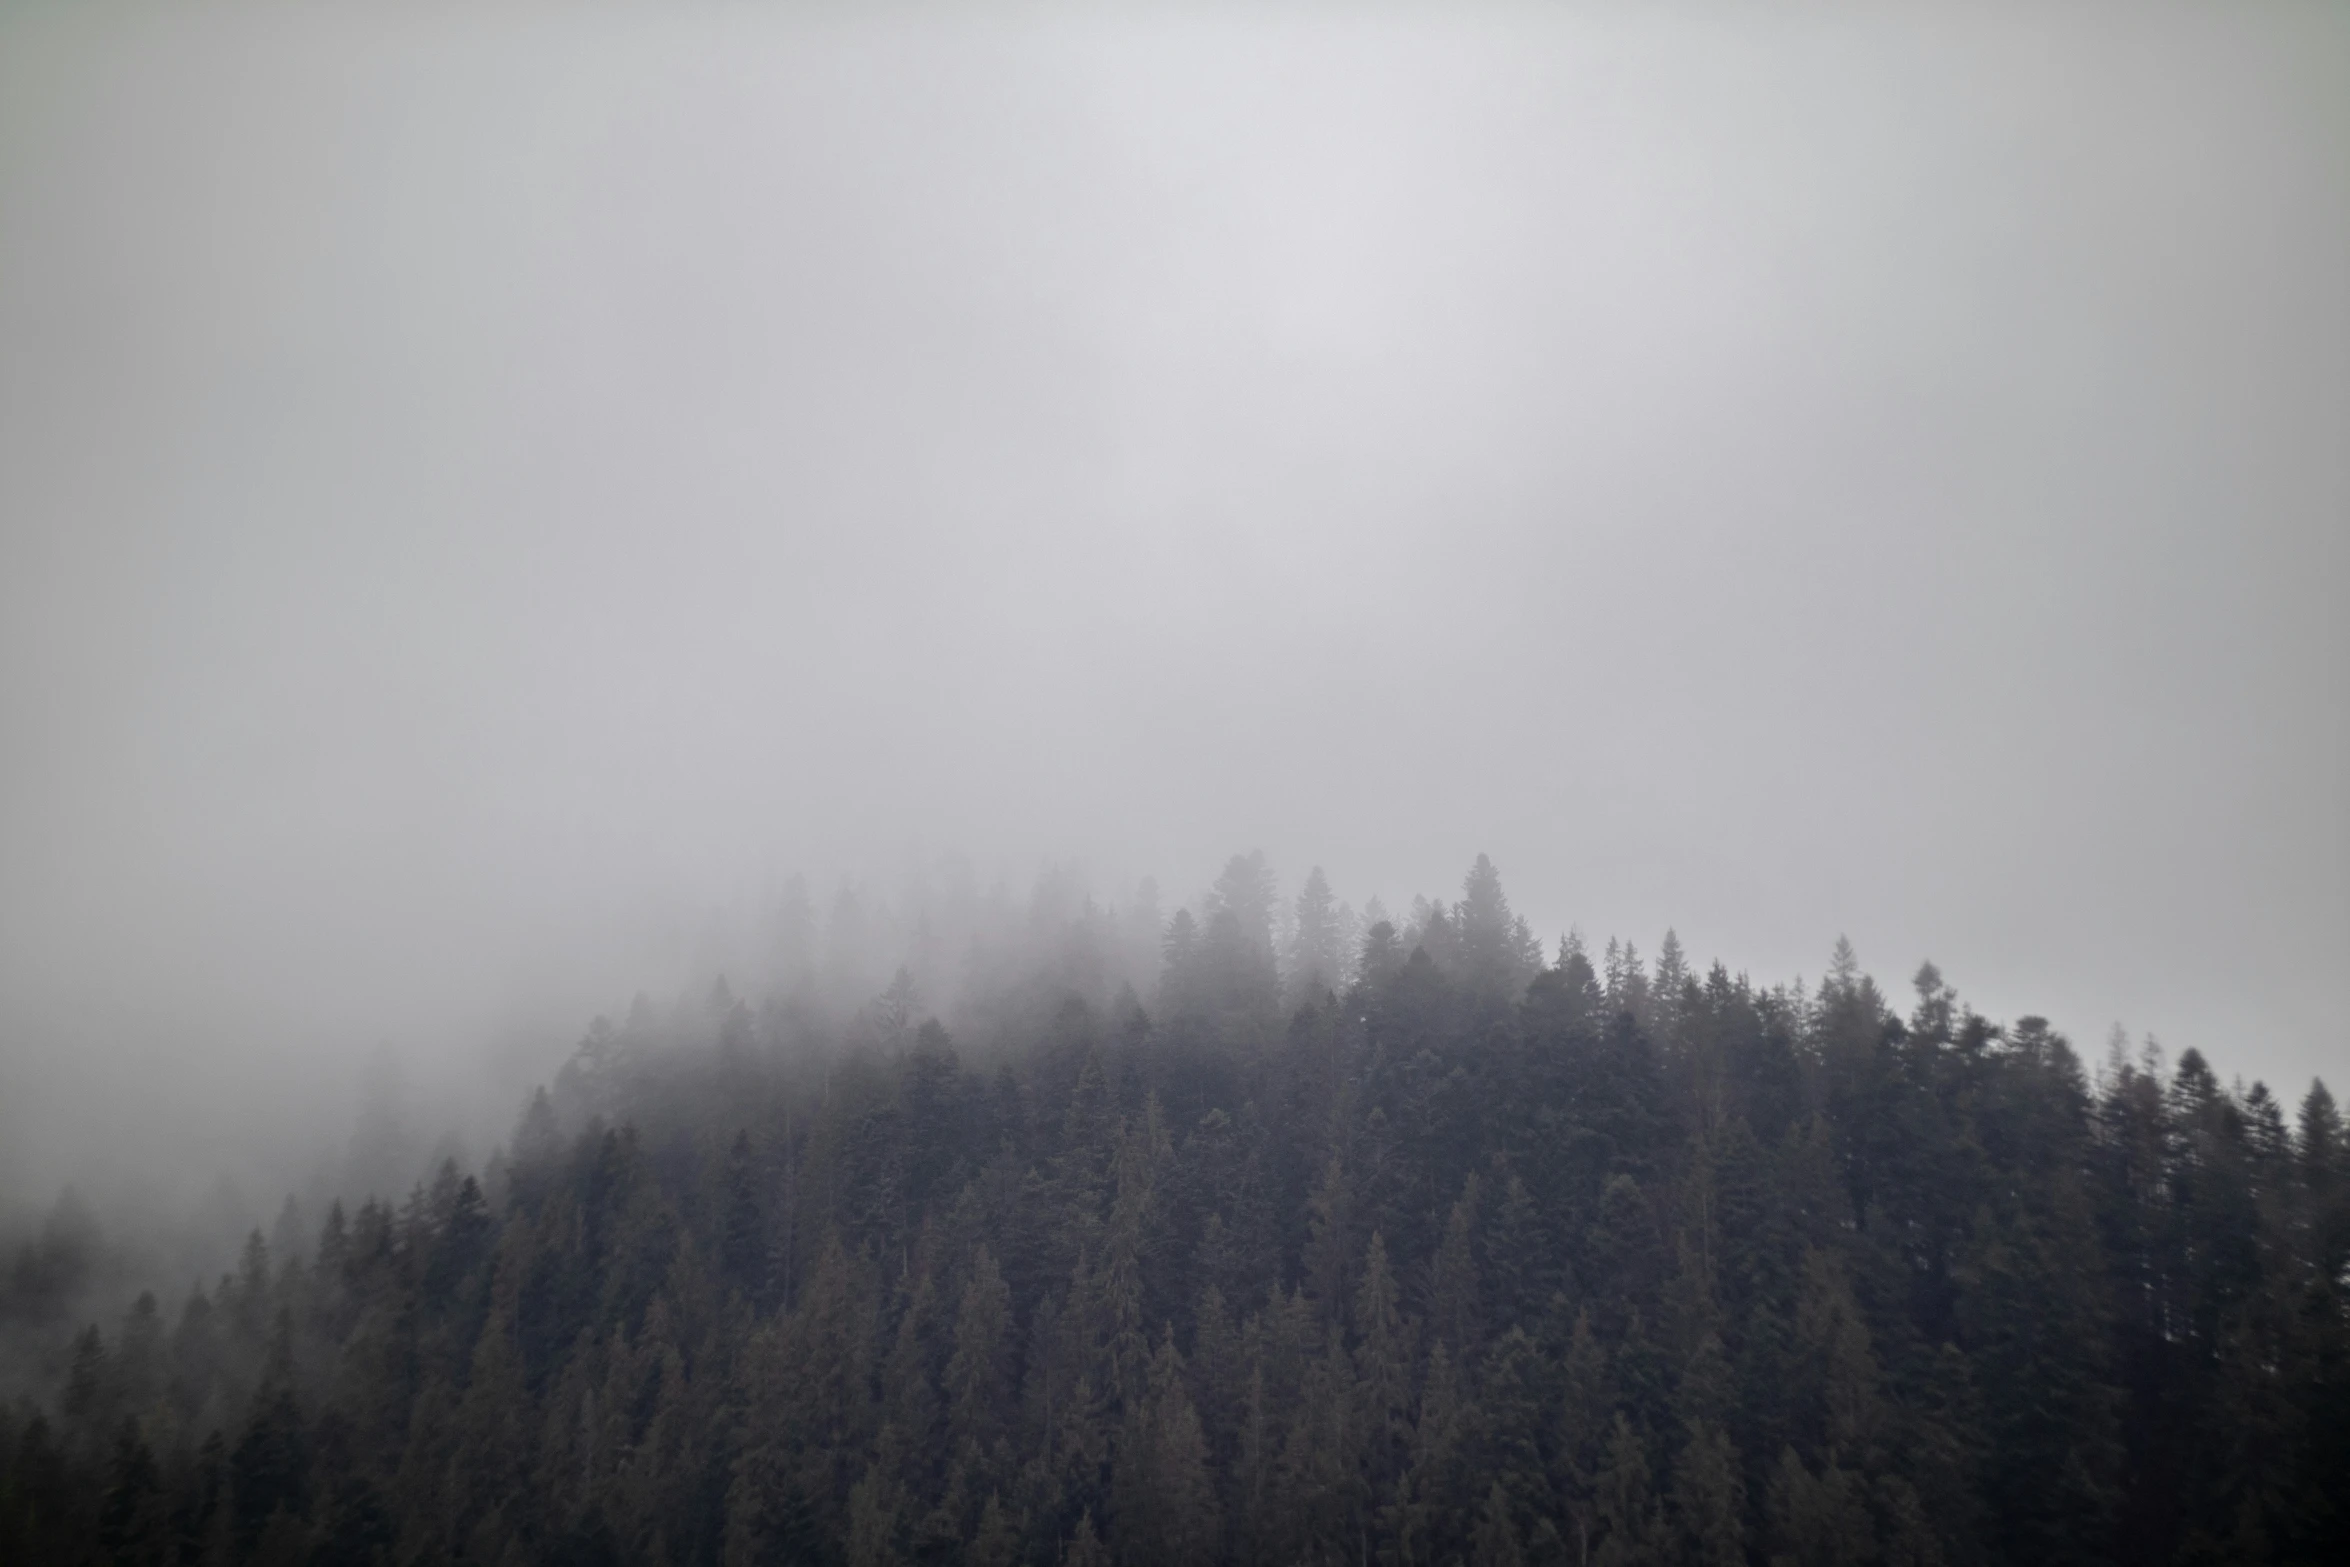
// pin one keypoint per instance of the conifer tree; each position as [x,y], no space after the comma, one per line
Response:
[979,1375]
[1382,1374]
[1818,1520]
[1313,965]
[1631,1529]
[1709,1502]
[1496,1542]
[1455,1306]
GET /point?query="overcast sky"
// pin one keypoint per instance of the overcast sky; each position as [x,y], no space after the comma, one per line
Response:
[472,486]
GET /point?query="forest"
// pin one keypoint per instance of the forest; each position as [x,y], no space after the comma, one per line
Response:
[1333,1240]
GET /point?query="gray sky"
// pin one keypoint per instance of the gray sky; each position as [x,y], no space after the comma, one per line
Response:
[474,487]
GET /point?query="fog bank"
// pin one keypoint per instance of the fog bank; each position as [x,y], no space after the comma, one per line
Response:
[486,499]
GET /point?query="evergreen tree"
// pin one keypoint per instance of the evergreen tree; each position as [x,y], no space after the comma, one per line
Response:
[1382,1375]
[1709,1503]
[979,1376]
[1818,1520]
[1313,965]
[1631,1529]
[1496,1542]
[1455,1306]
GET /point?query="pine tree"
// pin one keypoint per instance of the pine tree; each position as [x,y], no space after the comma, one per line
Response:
[1455,1307]
[1330,1217]
[132,1521]
[742,1253]
[1667,989]
[1818,1520]
[1631,1530]
[1585,1423]
[1313,953]
[1434,1483]
[877,1505]
[1496,1543]
[1494,957]
[979,1375]
[1709,1503]
[1382,954]
[1835,1357]
[1517,1267]
[1512,1407]
[1382,1375]
[1181,989]
[1084,1547]
[1168,1507]
[997,1541]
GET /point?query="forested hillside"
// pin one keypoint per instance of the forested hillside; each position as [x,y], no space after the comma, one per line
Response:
[1435,1248]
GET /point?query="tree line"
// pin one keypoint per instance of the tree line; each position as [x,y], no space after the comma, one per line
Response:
[1400,1246]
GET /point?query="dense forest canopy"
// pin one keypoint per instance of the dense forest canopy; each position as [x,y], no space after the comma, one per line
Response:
[1333,1242]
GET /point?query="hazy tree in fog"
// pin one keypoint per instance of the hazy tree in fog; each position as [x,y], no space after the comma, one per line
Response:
[1314,961]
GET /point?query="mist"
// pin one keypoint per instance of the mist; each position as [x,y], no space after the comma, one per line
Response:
[485,500]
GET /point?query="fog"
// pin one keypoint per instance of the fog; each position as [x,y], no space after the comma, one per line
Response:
[486,499]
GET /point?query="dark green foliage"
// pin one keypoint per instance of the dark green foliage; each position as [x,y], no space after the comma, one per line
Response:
[1478,1261]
